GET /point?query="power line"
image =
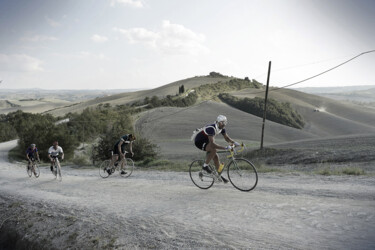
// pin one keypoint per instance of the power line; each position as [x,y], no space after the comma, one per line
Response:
[275,89]
[326,71]
[302,65]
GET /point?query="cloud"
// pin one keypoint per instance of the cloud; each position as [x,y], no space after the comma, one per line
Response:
[132,3]
[170,39]
[37,38]
[20,63]
[51,22]
[139,35]
[99,39]
[81,55]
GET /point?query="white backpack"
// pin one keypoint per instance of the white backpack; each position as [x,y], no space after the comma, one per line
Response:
[198,130]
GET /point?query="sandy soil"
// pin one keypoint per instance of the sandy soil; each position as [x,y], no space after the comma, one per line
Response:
[165,210]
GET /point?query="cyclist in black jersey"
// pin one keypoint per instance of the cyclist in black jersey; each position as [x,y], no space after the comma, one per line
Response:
[119,147]
[31,152]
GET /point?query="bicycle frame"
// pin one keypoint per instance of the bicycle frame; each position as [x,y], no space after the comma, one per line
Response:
[230,157]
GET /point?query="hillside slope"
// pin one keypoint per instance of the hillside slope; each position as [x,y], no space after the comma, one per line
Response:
[125,98]
[31,105]
[171,128]
[323,116]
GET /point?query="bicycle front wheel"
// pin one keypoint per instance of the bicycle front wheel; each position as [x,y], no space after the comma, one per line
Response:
[242,174]
[104,169]
[36,170]
[126,169]
[200,177]
[29,172]
[59,171]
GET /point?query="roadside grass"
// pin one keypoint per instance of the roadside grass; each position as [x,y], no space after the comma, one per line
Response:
[264,168]
[163,165]
[328,170]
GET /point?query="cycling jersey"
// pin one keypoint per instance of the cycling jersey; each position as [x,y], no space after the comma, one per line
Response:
[30,152]
[201,139]
[55,152]
[125,140]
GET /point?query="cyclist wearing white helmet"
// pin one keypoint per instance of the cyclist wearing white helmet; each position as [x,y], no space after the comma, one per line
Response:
[205,140]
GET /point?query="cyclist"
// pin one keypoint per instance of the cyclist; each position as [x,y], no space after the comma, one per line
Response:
[54,151]
[30,155]
[205,140]
[119,148]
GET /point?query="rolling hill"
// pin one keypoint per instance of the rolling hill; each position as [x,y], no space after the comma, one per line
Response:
[126,98]
[171,127]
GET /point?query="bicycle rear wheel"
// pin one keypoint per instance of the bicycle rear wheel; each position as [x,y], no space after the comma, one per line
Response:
[200,177]
[36,170]
[127,168]
[242,174]
[103,168]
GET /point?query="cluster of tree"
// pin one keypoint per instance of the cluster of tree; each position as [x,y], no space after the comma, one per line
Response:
[181,89]
[41,130]
[171,101]
[220,87]
[7,131]
[278,112]
[216,74]
[104,122]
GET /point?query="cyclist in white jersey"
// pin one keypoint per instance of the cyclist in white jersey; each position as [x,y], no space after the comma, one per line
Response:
[54,151]
[205,140]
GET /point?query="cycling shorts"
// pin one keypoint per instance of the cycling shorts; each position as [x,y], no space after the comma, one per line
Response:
[201,141]
[115,150]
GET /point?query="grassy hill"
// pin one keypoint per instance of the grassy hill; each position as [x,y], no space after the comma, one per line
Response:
[31,105]
[171,127]
[323,116]
[127,98]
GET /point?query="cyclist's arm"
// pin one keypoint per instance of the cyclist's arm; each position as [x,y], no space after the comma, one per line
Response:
[211,140]
[37,155]
[228,139]
[119,147]
[131,147]
[27,157]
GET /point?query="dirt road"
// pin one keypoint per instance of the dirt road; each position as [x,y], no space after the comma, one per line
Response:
[165,210]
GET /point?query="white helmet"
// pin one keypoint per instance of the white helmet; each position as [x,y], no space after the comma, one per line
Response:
[221,118]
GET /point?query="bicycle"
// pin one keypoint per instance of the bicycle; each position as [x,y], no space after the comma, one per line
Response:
[56,167]
[124,166]
[241,172]
[34,169]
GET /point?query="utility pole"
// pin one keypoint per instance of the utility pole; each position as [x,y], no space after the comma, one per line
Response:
[265,104]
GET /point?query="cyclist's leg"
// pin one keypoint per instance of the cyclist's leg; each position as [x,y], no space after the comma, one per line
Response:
[113,160]
[212,155]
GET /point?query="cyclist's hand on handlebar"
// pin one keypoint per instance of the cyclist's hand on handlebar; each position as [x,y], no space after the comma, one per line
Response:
[228,148]
[236,144]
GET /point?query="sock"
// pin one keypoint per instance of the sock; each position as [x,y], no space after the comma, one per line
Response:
[205,165]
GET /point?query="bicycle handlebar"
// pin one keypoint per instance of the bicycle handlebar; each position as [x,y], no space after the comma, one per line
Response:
[233,151]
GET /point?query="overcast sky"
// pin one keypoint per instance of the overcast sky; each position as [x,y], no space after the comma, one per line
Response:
[122,44]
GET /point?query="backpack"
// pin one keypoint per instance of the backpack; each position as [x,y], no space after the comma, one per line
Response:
[197,131]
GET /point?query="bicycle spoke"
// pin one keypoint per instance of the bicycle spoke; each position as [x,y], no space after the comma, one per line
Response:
[29,172]
[104,169]
[36,170]
[200,177]
[242,174]
[126,169]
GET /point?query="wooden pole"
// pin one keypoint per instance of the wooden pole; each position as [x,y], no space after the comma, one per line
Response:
[265,104]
